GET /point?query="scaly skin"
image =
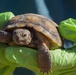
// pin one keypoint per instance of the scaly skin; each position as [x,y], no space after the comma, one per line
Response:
[44,58]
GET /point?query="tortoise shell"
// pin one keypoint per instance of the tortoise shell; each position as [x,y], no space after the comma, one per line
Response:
[39,23]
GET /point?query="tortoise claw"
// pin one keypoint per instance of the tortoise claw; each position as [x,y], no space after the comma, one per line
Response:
[45,73]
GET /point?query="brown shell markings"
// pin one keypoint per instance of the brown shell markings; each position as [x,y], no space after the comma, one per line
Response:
[45,27]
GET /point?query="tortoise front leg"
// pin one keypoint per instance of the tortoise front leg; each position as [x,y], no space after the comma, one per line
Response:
[43,54]
[5,37]
[44,58]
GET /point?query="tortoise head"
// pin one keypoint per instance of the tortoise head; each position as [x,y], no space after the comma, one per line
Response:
[22,36]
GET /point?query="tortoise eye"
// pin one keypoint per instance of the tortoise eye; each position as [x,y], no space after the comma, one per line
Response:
[24,35]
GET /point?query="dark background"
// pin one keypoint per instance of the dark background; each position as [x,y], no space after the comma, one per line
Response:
[56,10]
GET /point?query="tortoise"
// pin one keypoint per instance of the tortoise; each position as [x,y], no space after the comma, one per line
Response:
[34,31]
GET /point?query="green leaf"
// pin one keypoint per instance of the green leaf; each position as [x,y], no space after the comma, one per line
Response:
[4,17]
[2,56]
[6,69]
[67,29]
[25,57]
[62,60]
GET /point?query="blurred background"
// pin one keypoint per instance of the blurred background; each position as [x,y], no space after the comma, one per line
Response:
[57,10]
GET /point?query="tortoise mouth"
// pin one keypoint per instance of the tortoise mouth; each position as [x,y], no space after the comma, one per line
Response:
[22,42]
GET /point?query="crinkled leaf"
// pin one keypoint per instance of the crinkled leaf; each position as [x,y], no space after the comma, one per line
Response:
[62,60]
[67,29]
[4,17]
